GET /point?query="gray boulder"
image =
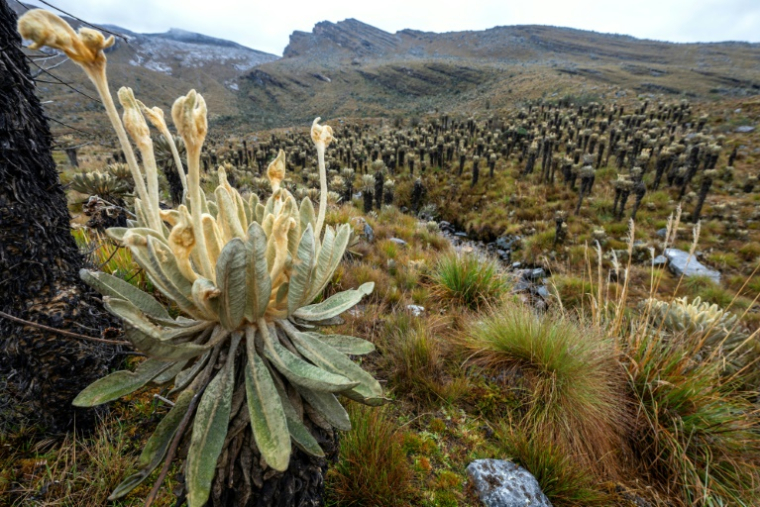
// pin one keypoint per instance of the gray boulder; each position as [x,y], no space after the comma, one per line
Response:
[501,483]
[680,264]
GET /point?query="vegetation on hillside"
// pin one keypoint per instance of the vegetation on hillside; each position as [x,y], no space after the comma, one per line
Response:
[610,378]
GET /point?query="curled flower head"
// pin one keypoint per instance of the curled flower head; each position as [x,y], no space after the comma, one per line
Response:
[134,121]
[44,28]
[155,115]
[189,115]
[276,171]
[321,134]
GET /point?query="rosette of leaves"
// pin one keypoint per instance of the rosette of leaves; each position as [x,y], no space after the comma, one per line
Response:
[718,327]
[252,308]
[102,184]
[241,276]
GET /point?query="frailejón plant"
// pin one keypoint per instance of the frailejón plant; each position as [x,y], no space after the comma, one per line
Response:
[242,274]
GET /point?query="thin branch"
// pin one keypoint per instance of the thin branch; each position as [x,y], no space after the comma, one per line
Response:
[61,331]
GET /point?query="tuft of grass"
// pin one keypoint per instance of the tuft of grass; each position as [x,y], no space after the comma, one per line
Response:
[696,433]
[563,482]
[373,470]
[468,280]
[575,388]
[416,357]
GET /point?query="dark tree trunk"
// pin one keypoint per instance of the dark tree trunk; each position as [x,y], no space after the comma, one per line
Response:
[40,371]
[242,482]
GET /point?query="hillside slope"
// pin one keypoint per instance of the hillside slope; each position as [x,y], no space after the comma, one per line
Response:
[353,69]
[159,67]
[350,69]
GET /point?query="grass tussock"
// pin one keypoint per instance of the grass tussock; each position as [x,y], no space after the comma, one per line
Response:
[574,384]
[561,480]
[373,470]
[415,355]
[696,433]
[467,280]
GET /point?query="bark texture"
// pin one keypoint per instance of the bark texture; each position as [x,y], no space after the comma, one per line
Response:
[40,372]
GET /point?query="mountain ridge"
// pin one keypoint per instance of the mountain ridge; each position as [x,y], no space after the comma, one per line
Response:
[352,69]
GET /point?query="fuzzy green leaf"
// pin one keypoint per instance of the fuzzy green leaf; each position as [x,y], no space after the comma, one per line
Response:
[347,344]
[231,280]
[136,318]
[321,354]
[307,215]
[209,431]
[270,428]
[109,285]
[299,371]
[157,348]
[334,305]
[259,285]
[156,447]
[328,406]
[170,373]
[120,383]
[301,436]
[186,376]
[228,213]
[301,280]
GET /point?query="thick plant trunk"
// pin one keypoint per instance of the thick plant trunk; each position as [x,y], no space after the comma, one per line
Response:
[40,371]
[242,482]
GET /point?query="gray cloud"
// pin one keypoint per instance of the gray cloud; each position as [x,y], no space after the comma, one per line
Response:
[266,26]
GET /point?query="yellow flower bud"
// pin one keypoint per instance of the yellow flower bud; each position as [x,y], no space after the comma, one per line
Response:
[44,28]
[189,115]
[321,134]
[276,171]
[134,121]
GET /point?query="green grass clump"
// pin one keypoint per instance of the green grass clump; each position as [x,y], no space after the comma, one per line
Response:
[468,281]
[561,480]
[696,433]
[574,383]
[373,470]
[415,357]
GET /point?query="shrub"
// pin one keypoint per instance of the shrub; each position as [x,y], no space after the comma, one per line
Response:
[373,470]
[575,387]
[468,280]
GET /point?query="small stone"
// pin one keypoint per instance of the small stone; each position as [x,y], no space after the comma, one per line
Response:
[660,260]
[662,232]
[460,234]
[416,310]
[534,274]
[398,241]
[501,483]
[745,129]
[543,292]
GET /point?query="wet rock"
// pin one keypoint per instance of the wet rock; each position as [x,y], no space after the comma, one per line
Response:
[501,483]
[680,264]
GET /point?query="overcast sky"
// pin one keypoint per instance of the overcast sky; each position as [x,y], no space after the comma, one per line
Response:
[267,25]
